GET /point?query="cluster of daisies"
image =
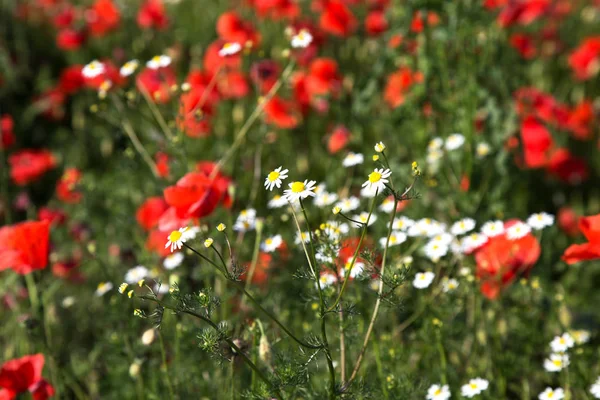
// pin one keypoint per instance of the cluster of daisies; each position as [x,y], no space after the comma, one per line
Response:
[437,146]
[469,390]
[560,345]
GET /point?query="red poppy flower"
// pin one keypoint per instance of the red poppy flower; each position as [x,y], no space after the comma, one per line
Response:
[276,9]
[233,85]
[417,25]
[111,73]
[568,221]
[70,39]
[196,195]
[398,85]
[150,212]
[213,62]
[265,74]
[24,247]
[524,45]
[585,59]
[156,241]
[376,23]
[51,104]
[301,95]
[523,12]
[71,79]
[567,167]
[281,113]
[66,189]
[54,217]
[261,270]
[200,81]
[590,227]
[102,17]
[232,28]
[152,15]
[162,164]
[194,117]
[323,78]
[338,139]
[537,142]
[65,17]
[337,19]
[23,375]
[28,165]
[157,83]
[68,270]
[501,261]
[395,41]
[7,137]
[580,121]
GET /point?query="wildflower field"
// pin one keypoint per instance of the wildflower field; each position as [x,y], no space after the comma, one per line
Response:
[300,199]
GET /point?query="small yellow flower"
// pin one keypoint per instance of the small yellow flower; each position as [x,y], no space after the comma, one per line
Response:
[375,157]
[141,283]
[138,313]
[380,147]
[221,227]
[130,294]
[208,242]
[336,210]
[123,287]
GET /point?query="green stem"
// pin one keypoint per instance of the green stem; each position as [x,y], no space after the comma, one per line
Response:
[164,361]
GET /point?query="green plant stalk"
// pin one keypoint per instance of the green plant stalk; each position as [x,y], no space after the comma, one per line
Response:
[156,112]
[241,288]
[164,361]
[354,256]
[230,342]
[443,363]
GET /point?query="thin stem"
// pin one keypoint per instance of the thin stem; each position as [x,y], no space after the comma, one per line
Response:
[377,303]
[164,361]
[156,112]
[355,256]
[342,345]
[222,260]
[207,90]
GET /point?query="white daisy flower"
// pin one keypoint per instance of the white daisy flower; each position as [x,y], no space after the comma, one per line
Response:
[353,159]
[93,69]
[426,227]
[474,387]
[442,238]
[277,202]
[581,336]
[230,49]
[518,231]
[562,343]
[349,204]
[136,274]
[387,206]
[334,229]
[129,68]
[379,147]
[556,362]
[455,141]
[271,243]
[435,144]
[176,239]
[367,193]
[449,285]
[595,389]
[377,180]
[68,302]
[540,220]
[438,392]
[423,279]
[402,223]
[463,226]
[103,288]
[157,62]
[356,270]
[473,241]
[299,190]
[327,279]
[246,221]
[302,39]
[434,156]
[173,260]
[321,257]
[275,177]
[493,228]
[363,217]
[396,238]
[434,250]
[482,150]
[302,237]
[552,394]
[324,199]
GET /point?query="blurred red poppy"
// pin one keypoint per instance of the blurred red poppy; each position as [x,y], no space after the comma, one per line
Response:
[102,17]
[233,85]
[71,79]
[195,112]
[585,59]
[156,241]
[337,19]
[23,375]
[281,113]
[152,15]
[376,23]
[157,83]
[338,139]
[28,165]
[70,39]
[265,74]
[276,9]
[590,227]
[581,119]
[524,45]
[53,216]
[7,137]
[568,221]
[162,164]
[232,28]
[501,261]
[24,246]
[323,78]
[66,189]
[213,62]
[537,142]
[150,212]
[398,84]
[567,167]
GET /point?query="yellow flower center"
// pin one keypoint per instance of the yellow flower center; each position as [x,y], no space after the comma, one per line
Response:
[473,386]
[550,395]
[439,391]
[558,362]
[175,236]
[273,175]
[374,176]
[422,277]
[156,59]
[392,239]
[101,285]
[561,341]
[227,46]
[298,187]
[269,241]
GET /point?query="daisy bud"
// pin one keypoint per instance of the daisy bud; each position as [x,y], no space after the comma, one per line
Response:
[285,53]
[134,369]
[185,87]
[141,283]
[148,337]
[123,287]
[336,210]
[130,294]
[221,227]
[208,242]
[138,313]
[375,157]
[380,147]
[264,349]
